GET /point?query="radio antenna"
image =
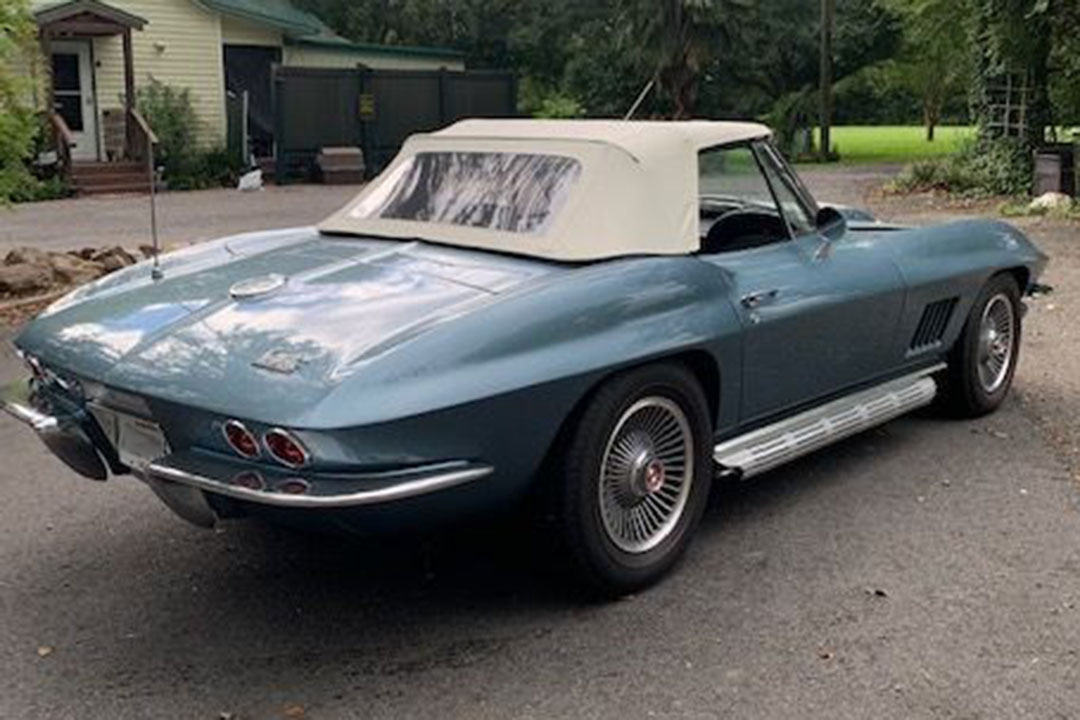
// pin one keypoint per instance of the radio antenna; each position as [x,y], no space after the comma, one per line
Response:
[640,99]
[155,272]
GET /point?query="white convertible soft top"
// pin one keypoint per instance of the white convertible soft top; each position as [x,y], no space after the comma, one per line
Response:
[572,190]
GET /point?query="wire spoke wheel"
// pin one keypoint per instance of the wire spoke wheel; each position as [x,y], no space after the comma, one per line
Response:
[996,348]
[646,474]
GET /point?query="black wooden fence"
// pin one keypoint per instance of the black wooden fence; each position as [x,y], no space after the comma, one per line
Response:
[375,110]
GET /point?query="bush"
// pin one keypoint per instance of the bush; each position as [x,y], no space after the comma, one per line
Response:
[559,107]
[999,167]
[18,119]
[207,169]
[171,114]
[36,190]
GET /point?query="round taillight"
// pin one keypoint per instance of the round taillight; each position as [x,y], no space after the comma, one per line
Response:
[240,439]
[286,449]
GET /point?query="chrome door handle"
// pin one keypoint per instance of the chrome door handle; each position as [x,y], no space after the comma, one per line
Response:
[757,299]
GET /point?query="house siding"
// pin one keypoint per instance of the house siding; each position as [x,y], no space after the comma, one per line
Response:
[239,32]
[319,57]
[180,46]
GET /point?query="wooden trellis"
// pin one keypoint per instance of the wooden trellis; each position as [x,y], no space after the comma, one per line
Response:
[1007,106]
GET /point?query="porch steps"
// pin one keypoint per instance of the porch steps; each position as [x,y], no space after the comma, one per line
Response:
[104,178]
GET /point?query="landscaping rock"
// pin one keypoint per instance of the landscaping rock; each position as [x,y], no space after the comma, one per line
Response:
[30,271]
[27,255]
[1051,201]
[25,278]
[73,270]
[115,258]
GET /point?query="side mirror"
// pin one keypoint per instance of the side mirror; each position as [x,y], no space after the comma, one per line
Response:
[831,222]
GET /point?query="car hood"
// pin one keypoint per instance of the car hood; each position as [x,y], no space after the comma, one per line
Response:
[203,335]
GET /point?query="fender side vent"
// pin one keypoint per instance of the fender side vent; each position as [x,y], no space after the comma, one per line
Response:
[932,326]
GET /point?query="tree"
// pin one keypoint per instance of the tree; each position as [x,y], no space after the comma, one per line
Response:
[18,118]
[1065,61]
[678,37]
[1014,37]
[825,79]
[714,58]
[934,63]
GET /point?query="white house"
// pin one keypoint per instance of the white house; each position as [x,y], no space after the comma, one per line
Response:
[100,53]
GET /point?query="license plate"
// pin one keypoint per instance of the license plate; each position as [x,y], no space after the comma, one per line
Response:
[138,441]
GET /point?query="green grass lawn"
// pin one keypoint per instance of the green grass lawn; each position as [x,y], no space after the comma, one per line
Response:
[896,144]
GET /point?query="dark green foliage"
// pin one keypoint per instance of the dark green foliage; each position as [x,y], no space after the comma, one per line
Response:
[1065,62]
[790,118]
[996,168]
[19,125]
[170,113]
[934,63]
[48,188]
[712,58]
[216,167]
[1014,37]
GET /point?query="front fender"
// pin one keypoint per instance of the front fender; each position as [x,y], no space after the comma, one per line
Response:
[955,261]
[971,250]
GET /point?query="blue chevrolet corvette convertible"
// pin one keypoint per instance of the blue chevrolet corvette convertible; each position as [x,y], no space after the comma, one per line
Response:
[599,317]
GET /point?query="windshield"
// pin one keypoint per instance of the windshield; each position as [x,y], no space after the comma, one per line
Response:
[511,192]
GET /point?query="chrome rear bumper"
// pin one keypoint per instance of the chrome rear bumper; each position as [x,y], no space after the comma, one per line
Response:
[186,482]
[18,402]
[63,431]
[183,480]
[294,489]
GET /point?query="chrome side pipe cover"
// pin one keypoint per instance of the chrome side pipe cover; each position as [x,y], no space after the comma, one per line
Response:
[774,445]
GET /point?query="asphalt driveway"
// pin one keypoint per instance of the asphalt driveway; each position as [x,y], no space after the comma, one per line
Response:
[925,569]
[183,217]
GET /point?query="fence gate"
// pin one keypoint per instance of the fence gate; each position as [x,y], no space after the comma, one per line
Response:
[375,110]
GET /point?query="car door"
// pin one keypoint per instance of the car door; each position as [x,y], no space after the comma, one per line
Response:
[819,314]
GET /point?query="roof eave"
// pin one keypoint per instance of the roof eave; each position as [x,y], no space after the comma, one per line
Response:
[61,11]
[401,50]
[259,18]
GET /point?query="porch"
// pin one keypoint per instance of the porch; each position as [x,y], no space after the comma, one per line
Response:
[100,148]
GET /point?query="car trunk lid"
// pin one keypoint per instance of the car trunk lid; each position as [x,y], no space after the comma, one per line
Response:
[327,305]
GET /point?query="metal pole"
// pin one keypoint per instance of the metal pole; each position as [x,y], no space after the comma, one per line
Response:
[155,272]
[245,146]
[640,99]
[828,18]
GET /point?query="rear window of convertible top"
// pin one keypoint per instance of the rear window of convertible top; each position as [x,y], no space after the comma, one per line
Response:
[509,192]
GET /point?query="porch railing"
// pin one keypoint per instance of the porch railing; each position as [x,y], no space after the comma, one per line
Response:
[141,138]
[63,141]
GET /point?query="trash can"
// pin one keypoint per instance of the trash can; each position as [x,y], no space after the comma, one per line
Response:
[1055,169]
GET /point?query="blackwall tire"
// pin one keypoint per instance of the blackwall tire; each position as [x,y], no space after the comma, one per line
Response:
[635,477]
[983,362]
